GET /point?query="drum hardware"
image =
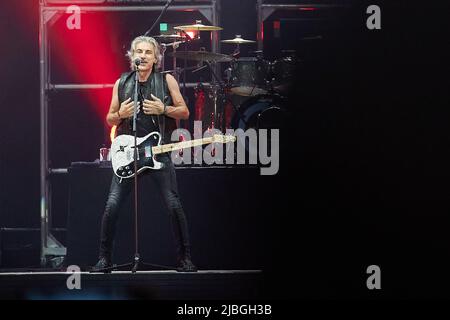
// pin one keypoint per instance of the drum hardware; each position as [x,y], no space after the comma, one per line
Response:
[198,68]
[202,56]
[249,96]
[199,56]
[198,26]
[169,37]
[176,41]
[214,106]
[221,88]
[259,53]
[238,40]
[282,74]
[213,103]
[250,76]
[259,81]
[179,70]
[163,48]
[174,45]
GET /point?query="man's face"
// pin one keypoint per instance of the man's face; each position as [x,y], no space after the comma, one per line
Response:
[146,52]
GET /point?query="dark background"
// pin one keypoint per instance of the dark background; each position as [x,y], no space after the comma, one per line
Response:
[364,162]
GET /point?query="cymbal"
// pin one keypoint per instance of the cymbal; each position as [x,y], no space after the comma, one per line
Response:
[198,27]
[169,37]
[238,40]
[201,56]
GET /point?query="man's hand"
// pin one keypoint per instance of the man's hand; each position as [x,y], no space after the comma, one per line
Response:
[153,107]
[126,109]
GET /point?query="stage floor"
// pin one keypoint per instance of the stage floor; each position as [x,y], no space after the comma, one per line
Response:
[119,285]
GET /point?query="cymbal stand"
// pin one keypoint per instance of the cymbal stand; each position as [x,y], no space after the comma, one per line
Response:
[189,39]
[162,50]
[216,96]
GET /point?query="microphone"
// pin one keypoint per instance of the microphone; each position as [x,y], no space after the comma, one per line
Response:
[137,62]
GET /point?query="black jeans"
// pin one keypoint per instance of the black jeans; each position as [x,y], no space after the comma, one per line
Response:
[165,179]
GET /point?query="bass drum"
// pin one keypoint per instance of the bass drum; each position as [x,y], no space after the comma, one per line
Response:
[259,112]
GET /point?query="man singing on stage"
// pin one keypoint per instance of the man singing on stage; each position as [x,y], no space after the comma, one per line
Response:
[161,104]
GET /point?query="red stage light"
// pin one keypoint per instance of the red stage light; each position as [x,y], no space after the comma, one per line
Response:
[276,25]
[262,31]
[88,56]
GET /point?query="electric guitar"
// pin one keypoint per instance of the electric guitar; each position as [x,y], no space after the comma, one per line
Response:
[122,151]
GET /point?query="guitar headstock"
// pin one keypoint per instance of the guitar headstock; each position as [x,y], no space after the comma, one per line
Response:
[223,138]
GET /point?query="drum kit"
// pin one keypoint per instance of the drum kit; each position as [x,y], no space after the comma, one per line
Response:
[259,85]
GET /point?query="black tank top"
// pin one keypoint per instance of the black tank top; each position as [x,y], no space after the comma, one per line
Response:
[156,84]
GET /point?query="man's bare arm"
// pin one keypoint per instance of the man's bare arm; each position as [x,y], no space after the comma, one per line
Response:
[179,110]
[117,112]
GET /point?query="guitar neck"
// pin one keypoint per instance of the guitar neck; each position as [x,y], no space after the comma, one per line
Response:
[181,145]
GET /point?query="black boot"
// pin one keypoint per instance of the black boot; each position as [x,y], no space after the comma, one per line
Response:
[103,263]
[185,263]
[181,237]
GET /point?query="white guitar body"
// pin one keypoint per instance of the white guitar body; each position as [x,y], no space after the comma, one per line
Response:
[122,154]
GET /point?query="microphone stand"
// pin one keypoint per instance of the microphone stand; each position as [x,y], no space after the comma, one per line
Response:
[136,101]
[136,84]
[136,258]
